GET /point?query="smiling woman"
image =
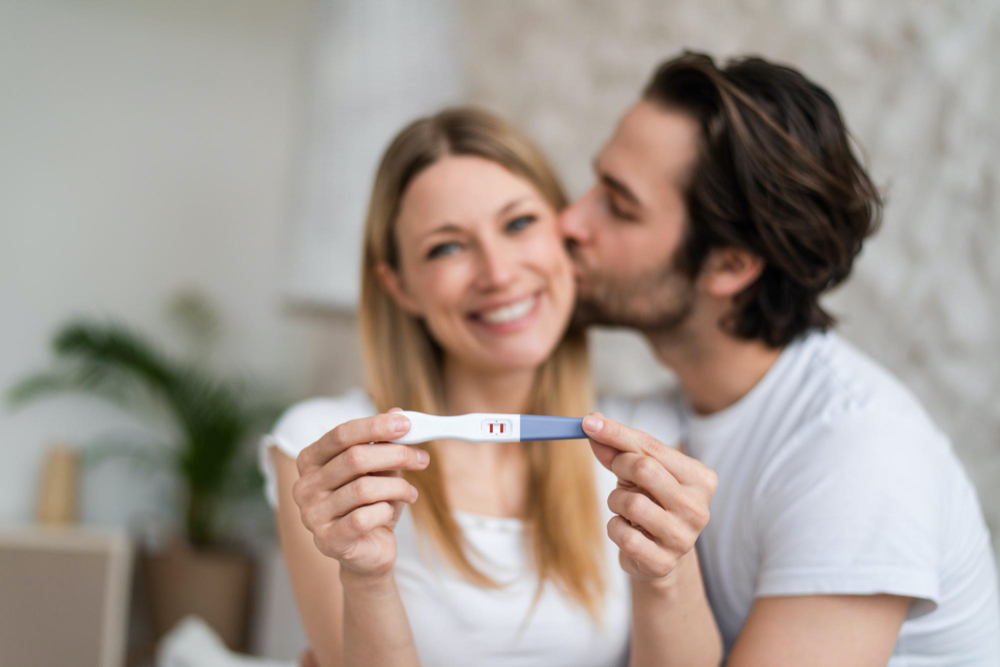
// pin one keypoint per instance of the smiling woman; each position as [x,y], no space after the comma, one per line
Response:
[492,284]
[467,293]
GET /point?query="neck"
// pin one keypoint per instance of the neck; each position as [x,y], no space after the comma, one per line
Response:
[479,390]
[475,390]
[714,369]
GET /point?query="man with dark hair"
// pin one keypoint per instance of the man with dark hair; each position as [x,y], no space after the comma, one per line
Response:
[843,530]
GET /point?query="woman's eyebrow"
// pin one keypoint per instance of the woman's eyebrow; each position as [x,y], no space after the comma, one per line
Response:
[511,204]
[448,227]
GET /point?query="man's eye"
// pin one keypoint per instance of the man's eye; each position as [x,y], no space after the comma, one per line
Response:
[520,222]
[615,210]
[442,249]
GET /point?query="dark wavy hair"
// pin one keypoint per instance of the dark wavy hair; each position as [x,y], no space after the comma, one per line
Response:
[776,175]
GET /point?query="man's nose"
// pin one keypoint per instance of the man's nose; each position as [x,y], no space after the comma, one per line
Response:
[572,221]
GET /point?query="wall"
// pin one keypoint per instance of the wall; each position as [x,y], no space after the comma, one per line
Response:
[145,148]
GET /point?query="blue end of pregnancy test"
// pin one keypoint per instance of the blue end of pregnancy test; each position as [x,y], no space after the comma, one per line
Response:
[539,427]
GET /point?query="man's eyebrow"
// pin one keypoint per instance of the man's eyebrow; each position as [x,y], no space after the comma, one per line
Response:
[614,184]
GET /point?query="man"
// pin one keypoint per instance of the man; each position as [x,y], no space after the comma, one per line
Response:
[843,530]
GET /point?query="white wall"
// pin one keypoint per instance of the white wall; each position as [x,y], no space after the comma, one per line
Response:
[144,147]
[374,67]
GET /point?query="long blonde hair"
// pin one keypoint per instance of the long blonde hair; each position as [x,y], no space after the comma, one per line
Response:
[404,367]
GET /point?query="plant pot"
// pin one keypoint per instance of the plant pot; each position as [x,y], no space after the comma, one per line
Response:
[213,584]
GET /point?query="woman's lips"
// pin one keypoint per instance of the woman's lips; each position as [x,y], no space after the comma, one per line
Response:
[509,317]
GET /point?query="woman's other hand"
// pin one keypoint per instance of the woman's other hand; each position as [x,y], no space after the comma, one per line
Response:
[350,491]
[661,500]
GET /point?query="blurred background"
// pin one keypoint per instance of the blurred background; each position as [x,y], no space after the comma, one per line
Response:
[181,191]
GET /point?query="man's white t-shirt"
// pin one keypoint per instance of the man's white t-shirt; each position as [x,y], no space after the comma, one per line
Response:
[834,480]
[458,623]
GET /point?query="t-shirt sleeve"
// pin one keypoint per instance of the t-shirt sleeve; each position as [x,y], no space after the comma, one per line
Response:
[303,424]
[848,509]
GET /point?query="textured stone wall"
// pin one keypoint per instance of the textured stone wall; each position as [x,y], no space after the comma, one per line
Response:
[918,82]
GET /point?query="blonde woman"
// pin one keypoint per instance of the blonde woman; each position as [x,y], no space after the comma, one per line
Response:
[456,553]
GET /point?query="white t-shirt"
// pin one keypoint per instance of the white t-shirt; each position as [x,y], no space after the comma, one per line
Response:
[834,480]
[457,623]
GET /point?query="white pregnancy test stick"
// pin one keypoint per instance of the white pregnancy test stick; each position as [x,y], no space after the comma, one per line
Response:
[489,427]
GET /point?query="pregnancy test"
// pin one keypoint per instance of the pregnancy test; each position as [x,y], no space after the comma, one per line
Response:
[489,427]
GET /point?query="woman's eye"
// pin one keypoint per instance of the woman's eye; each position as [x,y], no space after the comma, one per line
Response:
[442,249]
[520,222]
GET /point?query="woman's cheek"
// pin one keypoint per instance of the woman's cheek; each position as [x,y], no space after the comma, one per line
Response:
[560,267]
[443,278]
[445,291]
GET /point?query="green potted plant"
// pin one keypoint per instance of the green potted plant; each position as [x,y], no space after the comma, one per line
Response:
[208,425]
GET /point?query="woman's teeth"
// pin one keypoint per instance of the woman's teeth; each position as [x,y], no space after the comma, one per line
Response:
[508,313]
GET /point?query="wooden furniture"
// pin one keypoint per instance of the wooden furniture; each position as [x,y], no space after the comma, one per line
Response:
[64,595]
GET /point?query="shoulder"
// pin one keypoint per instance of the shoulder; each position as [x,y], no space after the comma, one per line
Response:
[842,411]
[859,445]
[657,413]
[306,421]
[840,430]
[835,380]
[823,394]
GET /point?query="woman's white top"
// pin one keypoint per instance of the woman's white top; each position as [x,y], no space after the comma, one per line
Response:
[455,622]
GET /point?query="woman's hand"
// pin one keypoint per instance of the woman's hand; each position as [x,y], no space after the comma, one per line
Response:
[661,500]
[350,491]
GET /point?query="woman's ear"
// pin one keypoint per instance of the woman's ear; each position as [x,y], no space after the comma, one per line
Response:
[729,271]
[391,283]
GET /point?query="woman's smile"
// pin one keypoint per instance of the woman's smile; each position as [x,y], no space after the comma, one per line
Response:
[508,316]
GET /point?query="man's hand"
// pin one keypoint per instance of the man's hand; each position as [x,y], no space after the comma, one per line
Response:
[661,499]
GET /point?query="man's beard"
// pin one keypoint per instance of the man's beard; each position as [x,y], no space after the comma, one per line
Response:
[659,301]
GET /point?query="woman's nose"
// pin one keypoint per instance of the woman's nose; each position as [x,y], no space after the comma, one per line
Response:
[496,268]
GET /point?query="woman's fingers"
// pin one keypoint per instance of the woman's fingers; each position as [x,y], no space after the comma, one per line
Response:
[645,557]
[664,515]
[687,502]
[615,435]
[366,490]
[380,428]
[364,459]
[347,530]
[646,473]
[349,486]
[649,518]
[356,462]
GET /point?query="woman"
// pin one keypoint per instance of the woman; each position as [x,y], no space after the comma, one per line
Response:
[458,553]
